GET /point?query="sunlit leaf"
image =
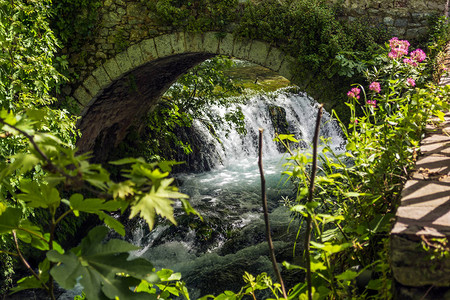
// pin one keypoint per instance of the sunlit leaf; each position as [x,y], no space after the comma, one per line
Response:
[347,275]
[122,189]
[157,201]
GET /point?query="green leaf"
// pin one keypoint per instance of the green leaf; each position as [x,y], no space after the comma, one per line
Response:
[189,209]
[157,201]
[347,275]
[112,223]
[289,137]
[96,265]
[128,160]
[39,194]
[122,189]
[168,275]
[93,205]
[2,207]
[330,248]
[10,219]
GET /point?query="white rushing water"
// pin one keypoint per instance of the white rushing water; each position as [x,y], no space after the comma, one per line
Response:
[229,197]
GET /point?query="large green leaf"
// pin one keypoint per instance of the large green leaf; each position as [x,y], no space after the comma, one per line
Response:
[10,219]
[39,194]
[157,201]
[97,206]
[96,265]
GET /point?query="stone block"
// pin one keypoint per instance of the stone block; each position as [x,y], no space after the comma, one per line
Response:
[241,48]
[194,42]
[274,59]
[82,96]
[163,45]
[389,21]
[436,148]
[112,69]
[135,55]
[102,77]
[211,42]
[178,42]
[92,85]
[401,22]
[124,62]
[412,266]
[148,50]
[286,67]
[226,44]
[258,52]
[435,164]
[111,19]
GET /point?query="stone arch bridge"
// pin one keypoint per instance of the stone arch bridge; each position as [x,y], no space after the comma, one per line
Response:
[125,87]
[132,60]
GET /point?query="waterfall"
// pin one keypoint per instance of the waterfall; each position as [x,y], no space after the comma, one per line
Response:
[232,238]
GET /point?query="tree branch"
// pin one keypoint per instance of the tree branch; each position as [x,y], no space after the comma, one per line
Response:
[266,216]
[310,198]
[26,263]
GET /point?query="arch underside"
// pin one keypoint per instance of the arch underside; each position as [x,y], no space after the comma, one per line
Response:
[120,92]
[127,100]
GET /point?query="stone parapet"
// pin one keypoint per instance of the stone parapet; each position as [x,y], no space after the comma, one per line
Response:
[407,19]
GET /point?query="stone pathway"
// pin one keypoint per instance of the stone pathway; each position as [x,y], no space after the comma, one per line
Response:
[424,217]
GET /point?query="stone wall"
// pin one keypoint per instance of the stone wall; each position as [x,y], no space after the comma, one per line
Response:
[406,19]
[123,23]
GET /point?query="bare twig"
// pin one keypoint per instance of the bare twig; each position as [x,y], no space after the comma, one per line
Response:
[266,216]
[310,198]
[26,263]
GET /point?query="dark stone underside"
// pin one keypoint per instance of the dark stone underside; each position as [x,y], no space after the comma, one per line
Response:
[128,99]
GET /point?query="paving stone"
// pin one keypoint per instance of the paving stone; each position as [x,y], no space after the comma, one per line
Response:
[424,212]
[434,163]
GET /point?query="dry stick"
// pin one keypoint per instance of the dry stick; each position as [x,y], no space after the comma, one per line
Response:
[25,262]
[266,216]
[310,198]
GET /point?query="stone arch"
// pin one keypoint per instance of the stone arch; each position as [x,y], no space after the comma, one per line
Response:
[126,86]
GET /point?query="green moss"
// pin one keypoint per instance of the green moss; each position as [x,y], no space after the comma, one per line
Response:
[257,78]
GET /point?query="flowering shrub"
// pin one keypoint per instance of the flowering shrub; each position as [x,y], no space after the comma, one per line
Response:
[357,190]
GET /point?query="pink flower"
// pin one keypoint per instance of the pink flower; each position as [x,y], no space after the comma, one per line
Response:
[375,86]
[418,55]
[410,62]
[372,103]
[411,82]
[398,48]
[354,93]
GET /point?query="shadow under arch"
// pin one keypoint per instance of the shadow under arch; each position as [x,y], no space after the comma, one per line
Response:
[123,89]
